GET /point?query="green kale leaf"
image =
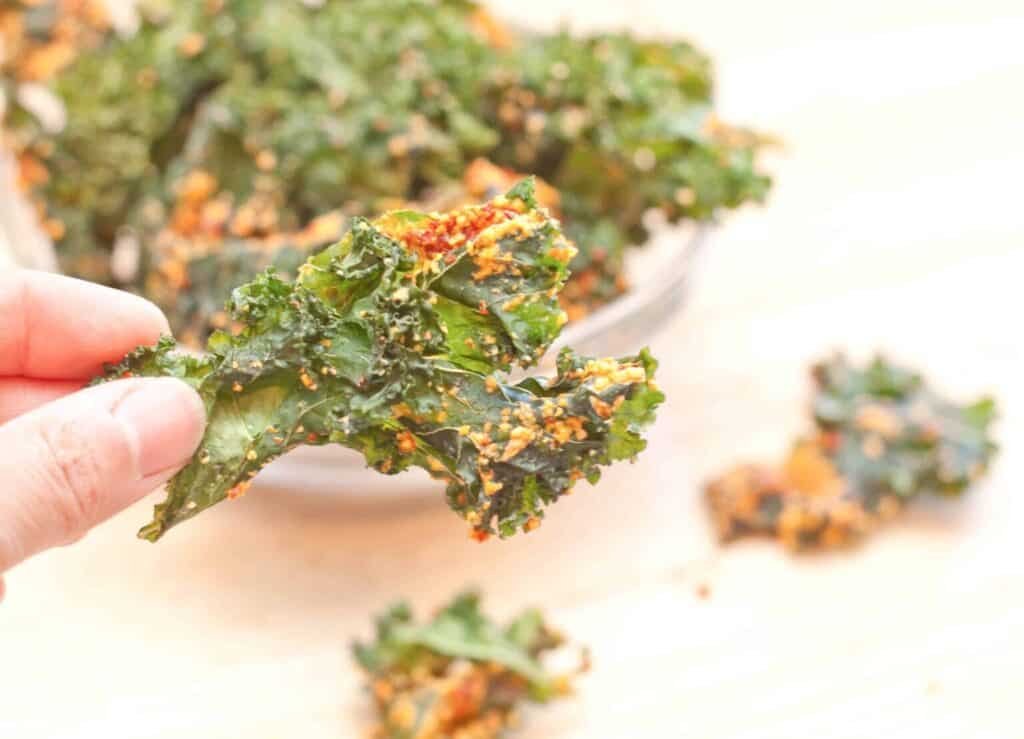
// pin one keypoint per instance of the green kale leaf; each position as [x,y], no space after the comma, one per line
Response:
[296,109]
[459,674]
[883,438]
[889,434]
[393,342]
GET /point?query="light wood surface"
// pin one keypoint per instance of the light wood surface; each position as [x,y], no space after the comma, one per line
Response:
[896,224]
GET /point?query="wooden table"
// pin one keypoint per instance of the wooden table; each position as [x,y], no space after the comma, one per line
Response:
[896,224]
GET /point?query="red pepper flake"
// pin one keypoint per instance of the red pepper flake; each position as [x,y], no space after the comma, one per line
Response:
[448,231]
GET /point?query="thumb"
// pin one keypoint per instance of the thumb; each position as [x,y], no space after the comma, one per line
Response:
[72,463]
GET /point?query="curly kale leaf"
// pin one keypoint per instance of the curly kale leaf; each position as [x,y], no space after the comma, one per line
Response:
[360,101]
[459,631]
[619,125]
[294,109]
[883,438]
[459,673]
[892,435]
[387,342]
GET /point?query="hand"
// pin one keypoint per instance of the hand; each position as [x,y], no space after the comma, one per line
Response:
[72,457]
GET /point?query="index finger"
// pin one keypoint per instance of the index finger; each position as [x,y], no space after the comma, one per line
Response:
[57,327]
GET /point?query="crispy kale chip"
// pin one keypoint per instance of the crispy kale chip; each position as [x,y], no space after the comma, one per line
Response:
[294,109]
[300,108]
[890,433]
[882,439]
[390,342]
[620,125]
[459,674]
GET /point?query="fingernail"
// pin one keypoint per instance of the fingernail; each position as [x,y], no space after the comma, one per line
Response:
[166,418]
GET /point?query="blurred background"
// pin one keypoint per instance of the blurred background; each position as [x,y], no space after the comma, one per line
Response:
[893,225]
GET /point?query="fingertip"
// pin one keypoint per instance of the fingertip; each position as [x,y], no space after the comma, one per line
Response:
[146,322]
[165,419]
[158,324]
[76,461]
[58,327]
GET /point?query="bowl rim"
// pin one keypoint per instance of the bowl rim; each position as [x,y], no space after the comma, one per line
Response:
[641,295]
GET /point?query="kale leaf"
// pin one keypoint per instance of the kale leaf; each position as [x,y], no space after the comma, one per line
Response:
[460,673]
[882,438]
[394,342]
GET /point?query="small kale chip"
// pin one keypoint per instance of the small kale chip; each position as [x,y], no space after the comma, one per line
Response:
[882,439]
[389,342]
[459,674]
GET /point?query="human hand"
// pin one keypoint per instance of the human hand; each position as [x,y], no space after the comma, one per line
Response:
[72,457]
